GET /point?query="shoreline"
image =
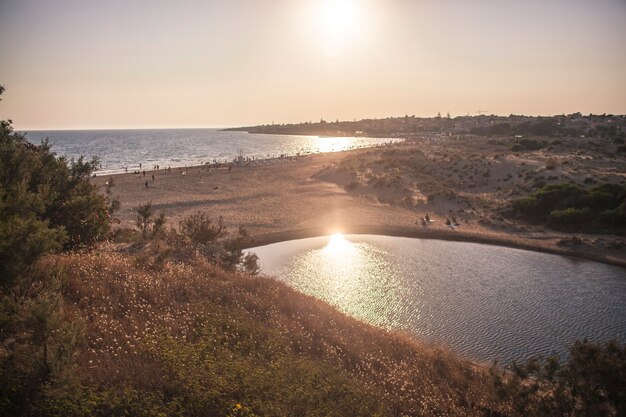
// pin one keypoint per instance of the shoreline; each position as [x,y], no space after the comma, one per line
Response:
[453,236]
[281,199]
[251,160]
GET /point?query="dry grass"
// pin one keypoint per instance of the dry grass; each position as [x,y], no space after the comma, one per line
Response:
[198,341]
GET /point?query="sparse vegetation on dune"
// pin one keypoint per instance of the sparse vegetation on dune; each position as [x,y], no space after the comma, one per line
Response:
[477,179]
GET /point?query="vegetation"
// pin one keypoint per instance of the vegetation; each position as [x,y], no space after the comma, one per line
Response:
[191,339]
[197,234]
[570,208]
[174,322]
[46,204]
[591,383]
[540,127]
[528,145]
[610,127]
[194,340]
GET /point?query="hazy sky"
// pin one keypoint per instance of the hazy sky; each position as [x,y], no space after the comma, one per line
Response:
[121,64]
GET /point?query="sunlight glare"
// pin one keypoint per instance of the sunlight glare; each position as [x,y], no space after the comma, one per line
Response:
[337,245]
[329,144]
[337,23]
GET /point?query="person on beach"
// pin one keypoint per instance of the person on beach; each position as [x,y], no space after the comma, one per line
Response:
[427,217]
[140,165]
[146,184]
[144,173]
[423,222]
[152,177]
[448,223]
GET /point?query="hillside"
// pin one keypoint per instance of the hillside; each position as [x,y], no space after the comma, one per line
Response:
[188,338]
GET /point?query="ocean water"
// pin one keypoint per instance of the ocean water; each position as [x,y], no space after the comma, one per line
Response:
[120,149]
[483,302]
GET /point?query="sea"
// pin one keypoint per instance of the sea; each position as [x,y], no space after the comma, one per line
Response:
[121,150]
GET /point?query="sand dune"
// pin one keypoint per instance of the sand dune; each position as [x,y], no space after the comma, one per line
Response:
[384,190]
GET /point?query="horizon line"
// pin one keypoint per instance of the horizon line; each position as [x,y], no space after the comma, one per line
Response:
[302,122]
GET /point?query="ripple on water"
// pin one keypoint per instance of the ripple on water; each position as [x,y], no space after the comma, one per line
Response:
[485,302]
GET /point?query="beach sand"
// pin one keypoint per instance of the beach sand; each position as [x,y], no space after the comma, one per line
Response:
[282,199]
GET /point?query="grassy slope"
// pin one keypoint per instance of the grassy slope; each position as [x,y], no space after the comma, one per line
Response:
[191,339]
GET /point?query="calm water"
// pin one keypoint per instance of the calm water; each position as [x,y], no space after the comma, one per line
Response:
[117,149]
[484,302]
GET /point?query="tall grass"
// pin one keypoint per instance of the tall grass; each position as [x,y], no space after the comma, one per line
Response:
[195,340]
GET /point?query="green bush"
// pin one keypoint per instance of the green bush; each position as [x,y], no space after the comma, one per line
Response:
[570,219]
[606,196]
[528,145]
[201,230]
[197,234]
[539,205]
[570,208]
[46,203]
[149,227]
[34,184]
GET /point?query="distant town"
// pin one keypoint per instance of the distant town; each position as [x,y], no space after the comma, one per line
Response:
[573,125]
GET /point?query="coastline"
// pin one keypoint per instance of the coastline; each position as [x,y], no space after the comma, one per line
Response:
[283,199]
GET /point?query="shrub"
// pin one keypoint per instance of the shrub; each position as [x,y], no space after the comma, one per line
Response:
[351,185]
[540,204]
[590,383]
[149,227]
[201,230]
[570,219]
[568,207]
[528,145]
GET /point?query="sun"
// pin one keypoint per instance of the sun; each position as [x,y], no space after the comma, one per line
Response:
[337,23]
[336,18]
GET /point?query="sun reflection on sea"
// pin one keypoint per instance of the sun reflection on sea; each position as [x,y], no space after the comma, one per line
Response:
[334,144]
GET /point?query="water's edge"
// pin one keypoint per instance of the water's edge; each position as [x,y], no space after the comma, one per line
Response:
[448,235]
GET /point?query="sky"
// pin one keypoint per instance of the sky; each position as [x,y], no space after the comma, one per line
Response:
[81,64]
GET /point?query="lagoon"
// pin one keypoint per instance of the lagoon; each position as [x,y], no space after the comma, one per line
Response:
[484,302]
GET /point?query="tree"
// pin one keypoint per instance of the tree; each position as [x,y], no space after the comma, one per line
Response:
[47,204]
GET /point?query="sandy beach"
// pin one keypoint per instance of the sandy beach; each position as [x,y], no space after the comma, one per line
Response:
[282,199]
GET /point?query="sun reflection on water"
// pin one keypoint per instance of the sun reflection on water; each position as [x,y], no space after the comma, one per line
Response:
[332,144]
[338,245]
[354,276]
